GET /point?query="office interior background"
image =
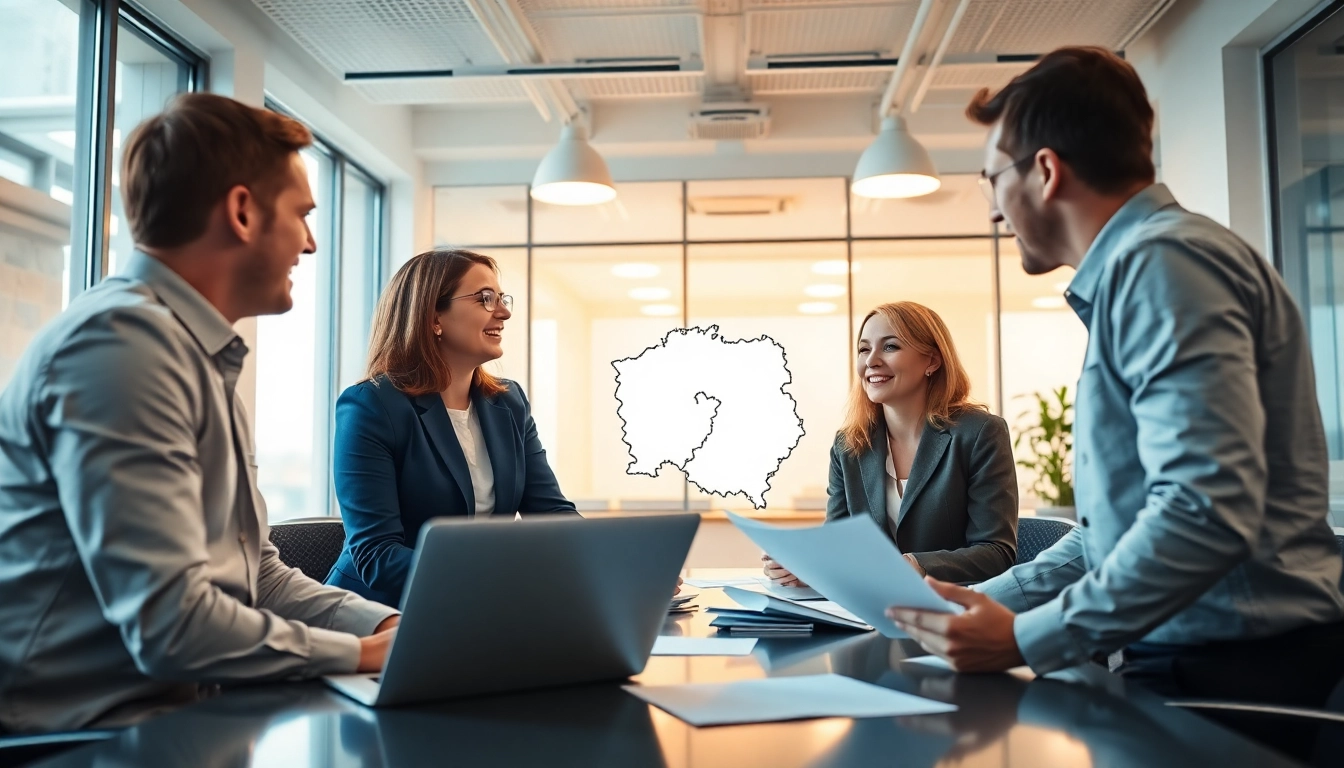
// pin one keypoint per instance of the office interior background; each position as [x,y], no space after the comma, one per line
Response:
[432,116]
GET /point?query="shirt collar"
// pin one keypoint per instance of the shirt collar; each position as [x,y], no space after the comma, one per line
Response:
[1145,203]
[199,316]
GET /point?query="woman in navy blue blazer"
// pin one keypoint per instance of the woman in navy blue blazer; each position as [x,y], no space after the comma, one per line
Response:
[429,433]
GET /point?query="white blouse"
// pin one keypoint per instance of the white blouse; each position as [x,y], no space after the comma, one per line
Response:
[468,428]
[895,492]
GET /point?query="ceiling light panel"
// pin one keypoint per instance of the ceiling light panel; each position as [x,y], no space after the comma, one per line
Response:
[835,81]
[384,35]
[828,30]
[1040,26]
[600,88]
[467,91]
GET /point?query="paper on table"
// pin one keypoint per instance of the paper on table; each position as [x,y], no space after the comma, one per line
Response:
[853,563]
[717,583]
[783,698]
[667,645]
[817,610]
[764,584]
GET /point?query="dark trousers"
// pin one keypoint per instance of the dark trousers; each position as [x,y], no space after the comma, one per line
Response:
[1301,668]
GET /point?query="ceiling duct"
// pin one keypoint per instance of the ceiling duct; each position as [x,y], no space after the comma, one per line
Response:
[728,121]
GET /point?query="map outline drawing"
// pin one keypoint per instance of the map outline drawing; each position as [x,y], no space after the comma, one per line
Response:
[682,421]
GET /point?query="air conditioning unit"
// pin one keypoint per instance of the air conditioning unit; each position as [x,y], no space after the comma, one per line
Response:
[730,120]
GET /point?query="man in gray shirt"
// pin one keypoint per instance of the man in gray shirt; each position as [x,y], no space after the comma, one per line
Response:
[134,560]
[1203,563]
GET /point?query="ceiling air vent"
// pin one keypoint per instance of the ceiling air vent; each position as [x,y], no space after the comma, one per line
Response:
[730,121]
[755,205]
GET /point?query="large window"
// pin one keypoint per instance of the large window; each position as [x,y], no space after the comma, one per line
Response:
[1306,133]
[794,259]
[307,355]
[63,111]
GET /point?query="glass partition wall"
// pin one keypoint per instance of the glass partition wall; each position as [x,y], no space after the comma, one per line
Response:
[794,259]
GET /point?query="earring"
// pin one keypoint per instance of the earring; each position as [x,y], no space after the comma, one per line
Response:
[438,334]
[928,373]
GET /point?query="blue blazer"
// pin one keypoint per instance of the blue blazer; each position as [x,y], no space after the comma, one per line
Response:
[398,464]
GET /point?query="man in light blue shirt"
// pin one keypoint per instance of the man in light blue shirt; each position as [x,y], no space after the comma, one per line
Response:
[135,567]
[1204,562]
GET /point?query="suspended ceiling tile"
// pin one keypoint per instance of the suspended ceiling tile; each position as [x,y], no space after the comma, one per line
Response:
[993,76]
[836,81]
[466,91]
[1040,26]
[383,35]
[575,38]
[531,7]
[644,87]
[823,30]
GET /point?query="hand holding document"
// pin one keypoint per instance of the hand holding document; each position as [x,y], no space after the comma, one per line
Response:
[851,562]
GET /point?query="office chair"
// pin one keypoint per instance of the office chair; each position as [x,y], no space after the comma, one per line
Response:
[310,544]
[1037,534]
[22,749]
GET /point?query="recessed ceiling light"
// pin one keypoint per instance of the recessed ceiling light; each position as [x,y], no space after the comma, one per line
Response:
[817,307]
[649,293]
[1049,302]
[834,267]
[1062,286]
[660,310]
[635,270]
[824,290]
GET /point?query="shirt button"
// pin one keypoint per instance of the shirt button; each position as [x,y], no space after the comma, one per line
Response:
[242,538]
[1083,521]
[1068,294]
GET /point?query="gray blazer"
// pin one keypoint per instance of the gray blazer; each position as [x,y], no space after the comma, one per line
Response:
[958,516]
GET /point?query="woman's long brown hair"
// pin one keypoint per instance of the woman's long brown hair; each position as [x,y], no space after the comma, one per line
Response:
[402,345]
[920,329]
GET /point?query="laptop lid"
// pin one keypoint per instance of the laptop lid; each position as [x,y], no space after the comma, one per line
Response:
[504,605]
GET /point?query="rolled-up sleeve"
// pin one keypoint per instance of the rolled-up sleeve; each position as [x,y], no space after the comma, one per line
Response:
[1184,347]
[118,401]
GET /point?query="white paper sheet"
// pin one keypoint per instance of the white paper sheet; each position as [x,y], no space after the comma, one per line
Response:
[668,645]
[719,583]
[853,563]
[783,698]
[816,610]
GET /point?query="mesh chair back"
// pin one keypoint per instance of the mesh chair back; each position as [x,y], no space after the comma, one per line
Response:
[310,544]
[1037,534]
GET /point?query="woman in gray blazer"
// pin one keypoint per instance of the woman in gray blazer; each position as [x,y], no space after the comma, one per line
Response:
[932,469]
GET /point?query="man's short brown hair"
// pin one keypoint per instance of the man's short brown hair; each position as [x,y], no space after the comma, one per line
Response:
[1088,105]
[177,165]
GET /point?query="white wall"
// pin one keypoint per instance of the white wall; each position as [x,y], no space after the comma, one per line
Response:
[1201,65]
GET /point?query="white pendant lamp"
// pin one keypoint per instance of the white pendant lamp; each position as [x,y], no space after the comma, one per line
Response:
[573,173]
[895,164]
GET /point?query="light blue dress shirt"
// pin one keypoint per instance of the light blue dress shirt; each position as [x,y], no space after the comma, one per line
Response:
[134,558]
[1200,462]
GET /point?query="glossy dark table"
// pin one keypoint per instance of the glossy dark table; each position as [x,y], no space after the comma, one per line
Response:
[1086,717]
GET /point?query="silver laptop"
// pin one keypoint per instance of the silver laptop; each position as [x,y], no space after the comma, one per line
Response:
[504,605]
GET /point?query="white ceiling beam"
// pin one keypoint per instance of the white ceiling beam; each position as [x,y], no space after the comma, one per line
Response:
[907,54]
[484,11]
[526,38]
[927,79]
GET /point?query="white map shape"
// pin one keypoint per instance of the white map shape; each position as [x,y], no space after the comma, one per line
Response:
[714,408]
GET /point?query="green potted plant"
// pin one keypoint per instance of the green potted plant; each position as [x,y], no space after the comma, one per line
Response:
[1044,440]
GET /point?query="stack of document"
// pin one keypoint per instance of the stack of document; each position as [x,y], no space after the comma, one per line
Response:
[763,615]
[682,603]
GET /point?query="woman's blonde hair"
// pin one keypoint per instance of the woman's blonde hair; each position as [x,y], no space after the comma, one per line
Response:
[402,345]
[920,329]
